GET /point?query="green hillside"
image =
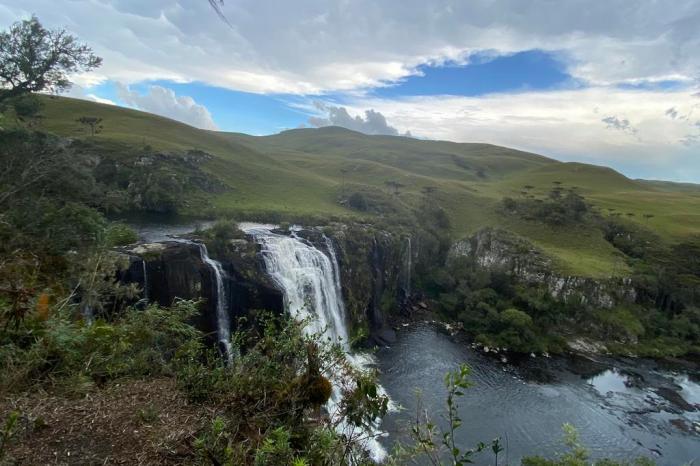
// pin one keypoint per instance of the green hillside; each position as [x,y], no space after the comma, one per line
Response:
[304,172]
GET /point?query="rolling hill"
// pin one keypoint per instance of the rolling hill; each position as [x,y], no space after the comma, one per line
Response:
[303,172]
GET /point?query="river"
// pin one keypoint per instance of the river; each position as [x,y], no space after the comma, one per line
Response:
[615,405]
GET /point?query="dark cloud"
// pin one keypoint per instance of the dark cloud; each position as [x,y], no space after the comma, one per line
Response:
[672,113]
[621,124]
[372,123]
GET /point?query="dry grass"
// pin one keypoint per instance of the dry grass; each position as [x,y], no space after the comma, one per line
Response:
[132,422]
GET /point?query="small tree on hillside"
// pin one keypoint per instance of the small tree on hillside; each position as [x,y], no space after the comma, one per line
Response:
[93,123]
[395,186]
[34,59]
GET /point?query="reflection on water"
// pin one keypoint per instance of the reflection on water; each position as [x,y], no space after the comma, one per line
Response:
[611,381]
[527,404]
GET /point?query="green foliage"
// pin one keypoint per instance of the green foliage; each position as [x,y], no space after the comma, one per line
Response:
[275,449]
[578,455]
[220,235]
[273,388]
[119,234]
[434,443]
[94,124]
[555,210]
[26,108]
[63,350]
[620,323]
[35,59]
[521,319]
[7,433]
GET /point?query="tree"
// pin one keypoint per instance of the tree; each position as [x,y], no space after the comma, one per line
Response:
[94,123]
[34,59]
[395,186]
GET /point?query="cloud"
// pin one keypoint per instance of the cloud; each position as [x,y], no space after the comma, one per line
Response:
[165,102]
[372,123]
[310,47]
[621,124]
[672,113]
[562,124]
[79,92]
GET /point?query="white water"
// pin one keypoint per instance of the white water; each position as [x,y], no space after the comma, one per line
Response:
[409,259]
[223,326]
[310,281]
[145,280]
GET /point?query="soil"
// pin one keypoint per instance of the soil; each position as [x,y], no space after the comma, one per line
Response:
[132,422]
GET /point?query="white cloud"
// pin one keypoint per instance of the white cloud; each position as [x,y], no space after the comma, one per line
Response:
[165,102]
[79,92]
[570,125]
[372,123]
[311,46]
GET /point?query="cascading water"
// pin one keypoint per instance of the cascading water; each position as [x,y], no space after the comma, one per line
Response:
[310,282]
[409,258]
[223,326]
[145,281]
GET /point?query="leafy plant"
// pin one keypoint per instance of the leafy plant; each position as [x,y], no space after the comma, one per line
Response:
[435,442]
[7,432]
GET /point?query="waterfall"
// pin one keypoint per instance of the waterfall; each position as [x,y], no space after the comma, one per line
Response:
[223,326]
[145,281]
[408,267]
[310,282]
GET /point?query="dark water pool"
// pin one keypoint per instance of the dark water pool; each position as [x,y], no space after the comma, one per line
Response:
[621,409]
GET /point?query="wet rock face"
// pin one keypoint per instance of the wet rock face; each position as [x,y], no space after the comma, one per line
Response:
[372,266]
[171,270]
[501,250]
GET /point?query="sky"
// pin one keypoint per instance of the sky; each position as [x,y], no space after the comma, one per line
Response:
[613,83]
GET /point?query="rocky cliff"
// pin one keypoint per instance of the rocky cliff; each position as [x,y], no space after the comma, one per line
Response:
[500,250]
[175,269]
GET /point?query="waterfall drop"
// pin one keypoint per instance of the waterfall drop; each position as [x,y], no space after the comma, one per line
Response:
[223,325]
[409,258]
[145,281]
[310,282]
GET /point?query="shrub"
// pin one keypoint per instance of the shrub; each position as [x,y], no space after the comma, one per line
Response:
[280,381]
[119,234]
[62,348]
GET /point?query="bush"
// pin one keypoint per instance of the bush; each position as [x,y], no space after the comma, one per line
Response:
[61,348]
[273,388]
[119,234]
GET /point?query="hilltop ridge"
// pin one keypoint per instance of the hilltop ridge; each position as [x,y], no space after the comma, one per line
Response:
[307,172]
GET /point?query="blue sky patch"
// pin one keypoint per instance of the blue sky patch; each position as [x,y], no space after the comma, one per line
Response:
[238,111]
[524,71]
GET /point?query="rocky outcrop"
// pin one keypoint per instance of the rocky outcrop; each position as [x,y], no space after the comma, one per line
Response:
[170,270]
[500,250]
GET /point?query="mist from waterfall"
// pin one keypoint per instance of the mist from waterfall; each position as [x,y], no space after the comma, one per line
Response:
[310,282]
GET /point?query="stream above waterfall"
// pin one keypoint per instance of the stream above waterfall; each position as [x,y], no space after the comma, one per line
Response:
[622,409]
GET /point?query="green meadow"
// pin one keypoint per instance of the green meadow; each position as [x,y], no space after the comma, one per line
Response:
[303,172]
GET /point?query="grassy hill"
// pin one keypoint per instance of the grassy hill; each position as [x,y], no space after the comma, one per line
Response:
[303,172]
